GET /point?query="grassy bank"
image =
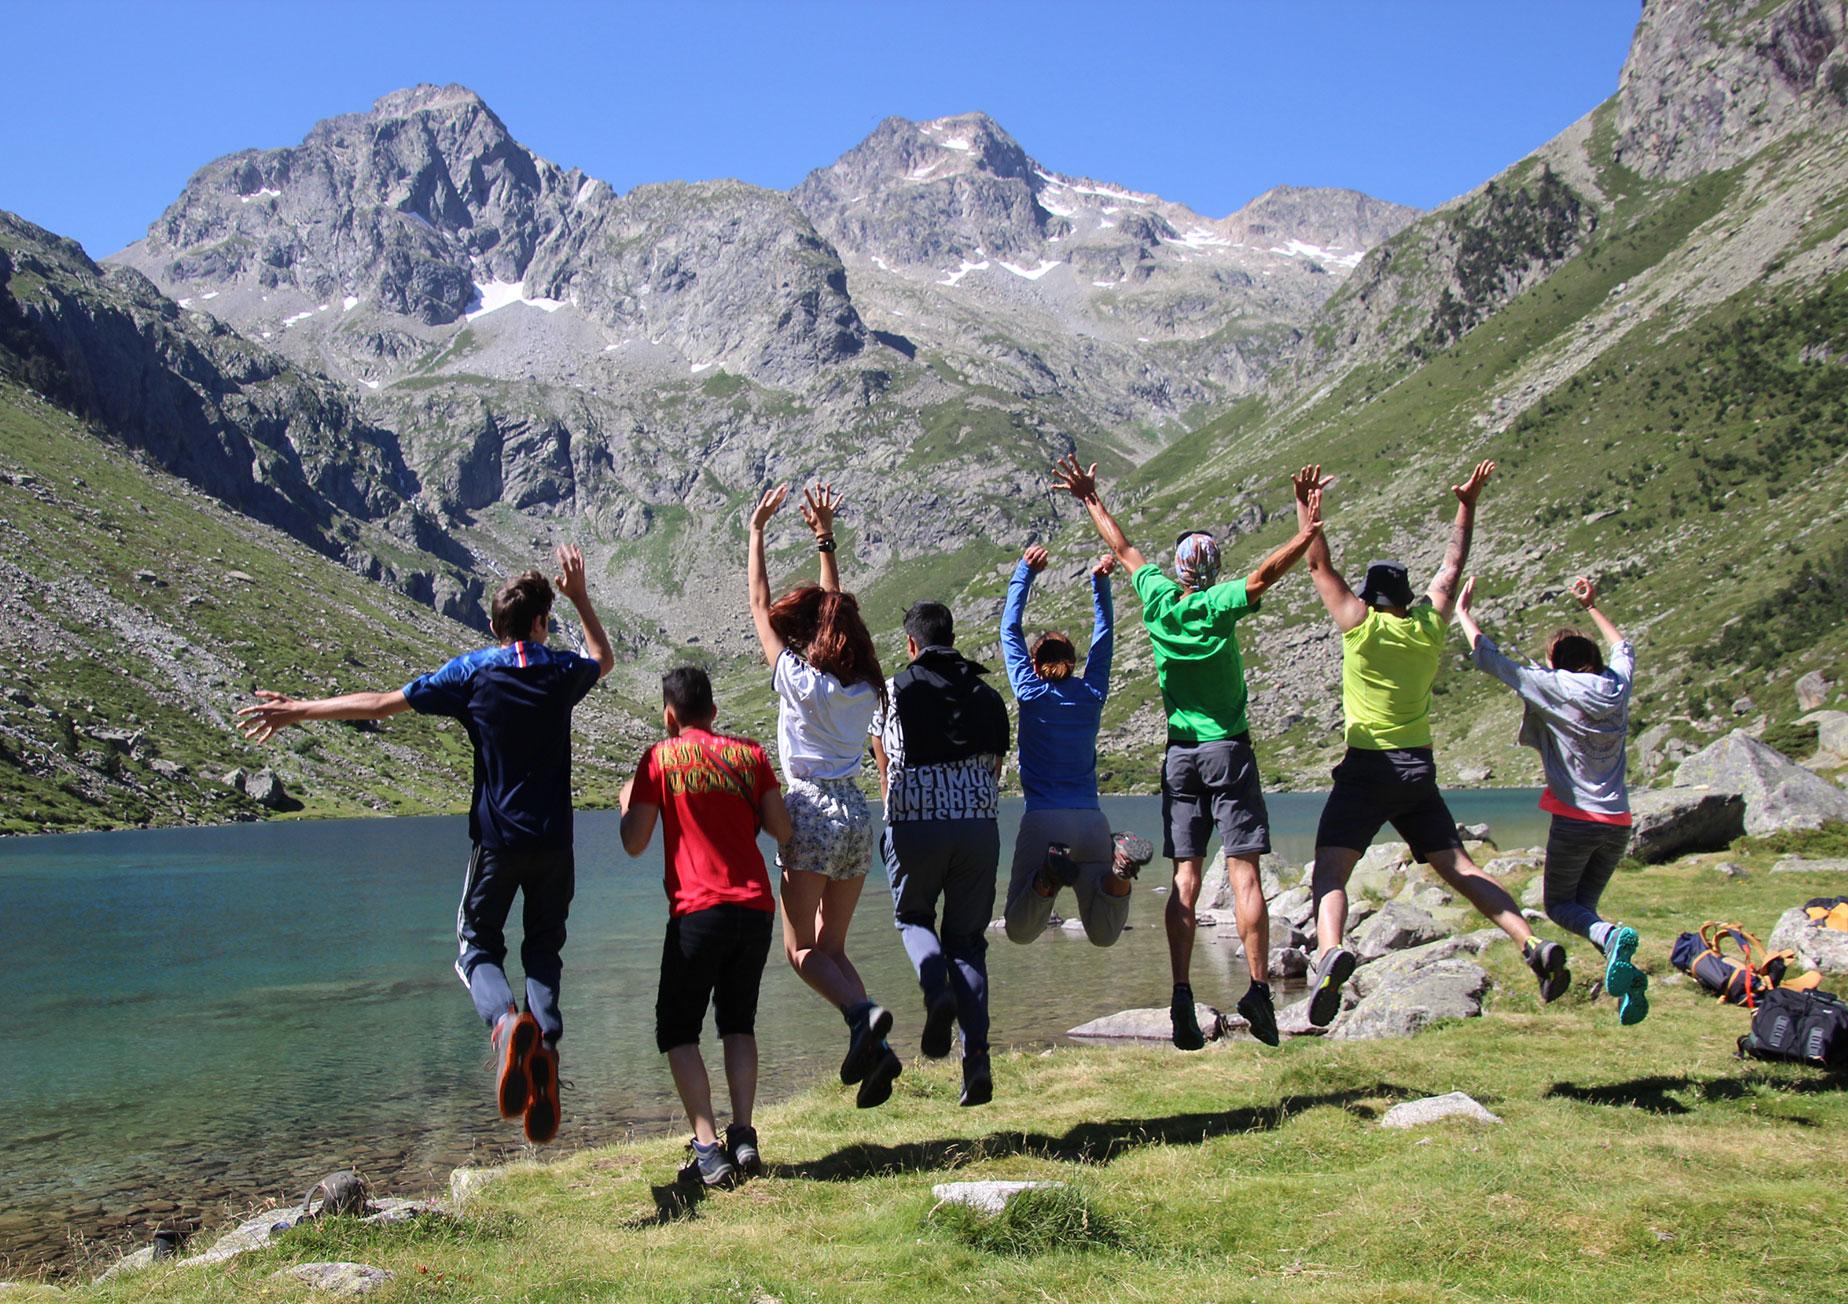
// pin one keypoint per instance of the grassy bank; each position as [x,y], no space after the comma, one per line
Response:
[1643,1163]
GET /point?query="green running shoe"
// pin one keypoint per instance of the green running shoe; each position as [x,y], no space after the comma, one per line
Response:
[1623,979]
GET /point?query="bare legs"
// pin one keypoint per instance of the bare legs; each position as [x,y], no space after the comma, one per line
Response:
[1179,918]
[1252,914]
[817,911]
[1329,885]
[690,1080]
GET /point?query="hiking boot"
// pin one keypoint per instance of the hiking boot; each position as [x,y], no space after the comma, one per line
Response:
[1060,868]
[1187,1034]
[1255,1008]
[1623,979]
[741,1144]
[978,1083]
[876,1087]
[1548,961]
[866,1036]
[514,1039]
[1132,852]
[1331,973]
[712,1165]
[939,1021]
[542,1109]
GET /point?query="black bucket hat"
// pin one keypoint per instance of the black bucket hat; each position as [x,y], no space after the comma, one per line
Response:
[1386,585]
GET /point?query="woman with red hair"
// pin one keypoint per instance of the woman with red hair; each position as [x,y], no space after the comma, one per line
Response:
[828,686]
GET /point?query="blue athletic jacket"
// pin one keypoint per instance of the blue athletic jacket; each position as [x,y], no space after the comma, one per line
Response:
[1058,720]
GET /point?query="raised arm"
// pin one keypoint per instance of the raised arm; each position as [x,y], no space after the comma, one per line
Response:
[1275,566]
[1587,594]
[1343,607]
[570,582]
[757,579]
[819,504]
[1103,627]
[1472,632]
[1013,618]
[1081,483]
[276,711]
[1444,587]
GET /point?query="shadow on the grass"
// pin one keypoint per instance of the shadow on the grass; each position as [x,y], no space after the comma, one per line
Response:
[1087,1143]
[1656,1095]
[676,1201]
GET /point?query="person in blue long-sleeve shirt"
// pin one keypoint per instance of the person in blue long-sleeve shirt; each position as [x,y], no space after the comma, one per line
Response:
[1064,838]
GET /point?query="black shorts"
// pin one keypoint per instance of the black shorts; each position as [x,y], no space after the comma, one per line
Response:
[1397,787]
[1212,785]
[715,955]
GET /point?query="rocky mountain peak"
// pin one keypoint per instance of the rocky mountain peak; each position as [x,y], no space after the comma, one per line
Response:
[424,97]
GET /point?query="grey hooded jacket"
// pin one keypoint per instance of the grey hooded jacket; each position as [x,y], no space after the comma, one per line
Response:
[1578,722]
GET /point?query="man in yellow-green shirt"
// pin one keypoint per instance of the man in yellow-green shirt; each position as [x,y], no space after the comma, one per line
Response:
[1209,772]
[1390,652]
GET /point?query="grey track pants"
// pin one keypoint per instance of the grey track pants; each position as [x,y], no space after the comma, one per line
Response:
[1087,833]
[1580,858]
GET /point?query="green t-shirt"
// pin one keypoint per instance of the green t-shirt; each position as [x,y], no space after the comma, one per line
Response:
[1388,664]
[1197,664]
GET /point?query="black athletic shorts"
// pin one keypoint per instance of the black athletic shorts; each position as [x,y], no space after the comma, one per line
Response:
[1397,787]
[1212,785]
[715,955]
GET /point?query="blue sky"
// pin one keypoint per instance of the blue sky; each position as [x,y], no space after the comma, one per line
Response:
[111,106]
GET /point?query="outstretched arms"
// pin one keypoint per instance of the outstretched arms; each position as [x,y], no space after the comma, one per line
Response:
[1275,566]
[1081,483]
[1444,587]
[276,711]
[1103,626]
[1587,594]
[570,582]
[757,580]
[1013,618]
[1344,608]
[819,505]
[1472,632]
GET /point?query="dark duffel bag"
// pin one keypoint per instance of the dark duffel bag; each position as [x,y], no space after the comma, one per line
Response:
[1807,1027]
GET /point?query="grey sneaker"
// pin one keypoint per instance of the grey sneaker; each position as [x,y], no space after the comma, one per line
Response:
[741,1144]
[711,1165]
[1548,961]
[1335,968]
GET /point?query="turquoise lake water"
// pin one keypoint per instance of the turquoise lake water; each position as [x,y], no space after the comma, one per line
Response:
[205,1018]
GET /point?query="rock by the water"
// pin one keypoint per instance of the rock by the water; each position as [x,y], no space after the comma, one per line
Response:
[1474,833]
[339,1278]
[1474,773]
[1395,927]
[1446,989]
[1398,966]
[1294,907]
[1817,946]
[1151,1024]
[235,778]
[987,1197]
[1452,1104]
[466,1183]
[251,1234]
[1289,962]
[1812,690]
[1779,794]
[1517,862]
[266,789]
[132,1262]
[1805,865]
[1670,822]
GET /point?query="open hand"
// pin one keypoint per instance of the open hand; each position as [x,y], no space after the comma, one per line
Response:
[1310,477]
[274,711]
[1468,595]
[1471,489]
[767,505]
[570,578]
[1036,558]
[1104,566]
[1585,591]
[1311,513]
[1077,480]
[819,504]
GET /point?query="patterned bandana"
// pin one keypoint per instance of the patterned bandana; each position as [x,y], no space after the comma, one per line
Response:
[1196,561]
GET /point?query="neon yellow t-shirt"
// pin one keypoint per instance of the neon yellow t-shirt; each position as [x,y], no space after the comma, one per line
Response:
[1388,664]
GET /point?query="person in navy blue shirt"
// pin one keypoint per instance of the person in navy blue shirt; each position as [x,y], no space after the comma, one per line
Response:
[1064,838]
[515,700]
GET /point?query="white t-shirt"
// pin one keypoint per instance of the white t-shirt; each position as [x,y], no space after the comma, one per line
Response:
[821,724]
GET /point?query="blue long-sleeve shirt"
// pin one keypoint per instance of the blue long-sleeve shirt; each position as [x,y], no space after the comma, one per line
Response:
[1058,718]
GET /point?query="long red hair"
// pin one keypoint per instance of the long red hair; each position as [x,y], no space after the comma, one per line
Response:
[826,628]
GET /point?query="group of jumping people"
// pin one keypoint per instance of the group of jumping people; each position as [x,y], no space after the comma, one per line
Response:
[939,735]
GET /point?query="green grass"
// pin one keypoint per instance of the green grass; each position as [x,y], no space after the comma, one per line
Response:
[1642,1163]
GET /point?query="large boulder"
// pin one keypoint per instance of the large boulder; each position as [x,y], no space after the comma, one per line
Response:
[1396,926]
[1812,690]
[1779,794]
[1831,739]
[1401,965]
[1671,822]
[1817,946]
[1152,1024]
[1405,1004]
[1216,884]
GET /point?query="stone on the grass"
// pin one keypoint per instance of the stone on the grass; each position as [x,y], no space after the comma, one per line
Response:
[1474,833]
[1670,822]
[1452,1104]
[1534,894]
[1151,1024]
[1807,865]
[131,1262]
[1474,773]
[1817,945]
[339,1278]
[1779,794]
[1812,690]
[987,1197]
[1395,927]
[1293,1020]
[1400,965]
[1406,1004]
[1831,739]
[1732,869]
[251,1234]
[1518,862]
[466,1183]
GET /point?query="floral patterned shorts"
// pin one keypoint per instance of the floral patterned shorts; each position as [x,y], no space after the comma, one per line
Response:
[833,828]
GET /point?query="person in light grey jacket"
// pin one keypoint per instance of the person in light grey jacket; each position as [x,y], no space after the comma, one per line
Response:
[1577,717]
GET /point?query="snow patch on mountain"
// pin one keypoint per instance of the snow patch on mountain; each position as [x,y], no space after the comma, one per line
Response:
[264,193]
[951,278]
[1033,274]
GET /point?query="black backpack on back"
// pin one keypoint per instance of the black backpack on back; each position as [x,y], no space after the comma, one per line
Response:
[1805,1027]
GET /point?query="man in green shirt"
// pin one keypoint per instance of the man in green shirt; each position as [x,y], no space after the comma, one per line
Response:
[1209,773]
[1390,653]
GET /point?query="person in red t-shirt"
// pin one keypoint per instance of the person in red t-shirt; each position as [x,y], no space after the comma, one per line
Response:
[712,793]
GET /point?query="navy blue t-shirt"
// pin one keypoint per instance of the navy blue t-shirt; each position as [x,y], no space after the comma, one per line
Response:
[515,701]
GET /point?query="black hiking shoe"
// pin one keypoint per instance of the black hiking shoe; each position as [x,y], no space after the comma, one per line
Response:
[866,1038]
[1548,961]
[1333,971]
[939,1022]
[876,1086]
[741,1145]
[1255,1008]
[712,1166]
[978,1083]
[1187,1034]
[1132,852]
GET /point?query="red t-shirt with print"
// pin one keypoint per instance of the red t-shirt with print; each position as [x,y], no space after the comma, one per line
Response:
[709,788]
